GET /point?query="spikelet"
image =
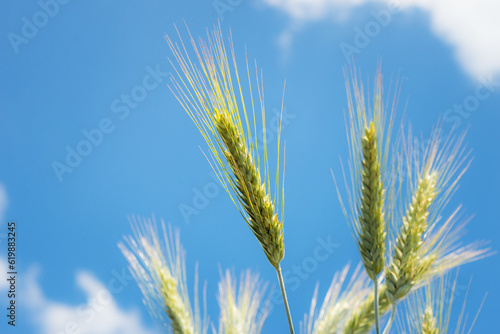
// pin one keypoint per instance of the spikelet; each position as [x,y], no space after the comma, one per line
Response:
[158,265]
[243,308]
[206,91]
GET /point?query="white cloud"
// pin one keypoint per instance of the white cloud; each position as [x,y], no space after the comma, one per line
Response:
[470,27]
[3,271]
[98,315]
[315,9]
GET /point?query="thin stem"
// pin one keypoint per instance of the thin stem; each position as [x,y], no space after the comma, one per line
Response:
[391,319]
[375,305]
[285,300]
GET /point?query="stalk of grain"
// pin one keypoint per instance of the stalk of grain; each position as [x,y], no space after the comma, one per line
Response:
[421,248]
[369,137]
[371,232]
[206,91]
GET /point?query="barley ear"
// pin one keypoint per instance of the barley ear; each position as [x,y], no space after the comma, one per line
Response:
[405,262]
[251,192]
[371,219]
[158,265]
[369,138]
[206,91]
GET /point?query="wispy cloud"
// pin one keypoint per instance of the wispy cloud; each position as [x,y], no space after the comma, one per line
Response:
[100,314]
[470,27]
[4,284]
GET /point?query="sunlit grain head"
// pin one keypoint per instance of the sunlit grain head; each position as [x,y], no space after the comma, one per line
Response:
[157,262]
[209,89]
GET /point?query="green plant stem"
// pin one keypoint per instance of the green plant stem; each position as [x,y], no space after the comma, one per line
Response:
[375,305]
[391,319]
[285,300]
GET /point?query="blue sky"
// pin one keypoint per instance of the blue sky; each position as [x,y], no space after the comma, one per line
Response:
[75,70]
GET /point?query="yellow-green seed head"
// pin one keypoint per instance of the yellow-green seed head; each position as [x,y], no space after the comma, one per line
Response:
[369,128]
[252,192]
[206,91]
[158,265]
[371,225]
[405,262]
